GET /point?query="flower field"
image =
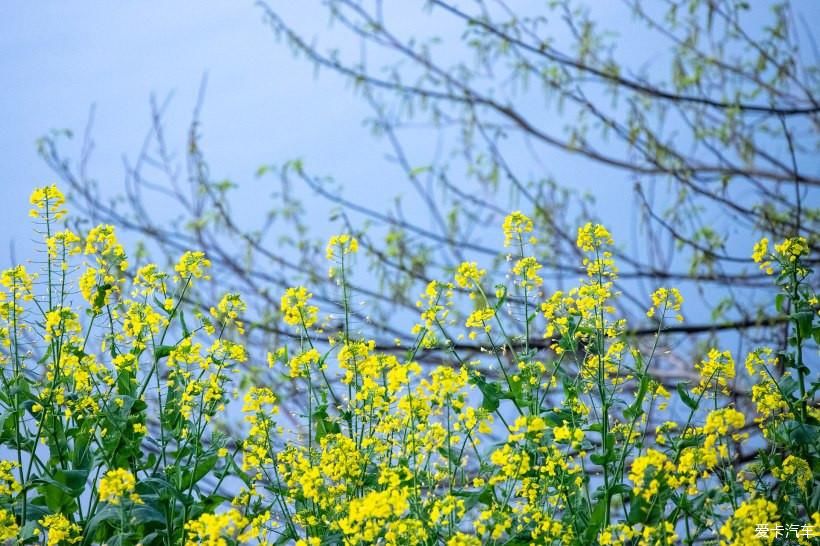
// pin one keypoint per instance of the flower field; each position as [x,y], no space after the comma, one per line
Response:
[119,395]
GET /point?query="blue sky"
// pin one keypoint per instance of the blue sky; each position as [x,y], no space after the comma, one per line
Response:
[262,106]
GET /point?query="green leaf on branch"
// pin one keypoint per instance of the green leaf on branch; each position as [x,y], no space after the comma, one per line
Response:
[685,397]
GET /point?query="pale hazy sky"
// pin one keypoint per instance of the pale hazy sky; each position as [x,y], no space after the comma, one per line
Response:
[60,57]
[57,58]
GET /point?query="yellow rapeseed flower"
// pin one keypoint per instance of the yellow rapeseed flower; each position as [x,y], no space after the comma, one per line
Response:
[666,299]
[593,236]
[479,318]
[527,269]
[116,485]
[48,202]
[792,248]
[648,471]
[60,531]
[193,265]
[295,308]
[794,468]
[469,274]
[716,370]
[9,530]
[213,529]
[516,224]
[65,241]
[760,255]
[8,482]
[741,527]
[339,245]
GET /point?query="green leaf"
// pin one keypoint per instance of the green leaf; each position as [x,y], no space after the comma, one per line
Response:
[323,424]
[37,509]
[801,434]
[199,469]
[635,410]
[99,297]
[74,480]
[596,427]
[778,302]
[101,517]
[600,458]
[415,171]
[125,383]
[185,331]
[212,502]
[46,355]
[803,320]
[619,489]
[57,496]
[143,513]
[687,399]
[472,498]
[491,391]
[27,535]
[641,511]
[162,351]
[596,522]
[449,454]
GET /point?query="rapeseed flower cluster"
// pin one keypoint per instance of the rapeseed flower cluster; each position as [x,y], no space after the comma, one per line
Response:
[666,299]
[48,203]
[103,277]
[340,245]
[59,530]
[796,470]
[218,529]
[9,485]
[193,265]
[116,485]
[515,226]
[295,308]
[435,303]
[469,275]
[119,415]
[9,529]
[716,371]
[741,527]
